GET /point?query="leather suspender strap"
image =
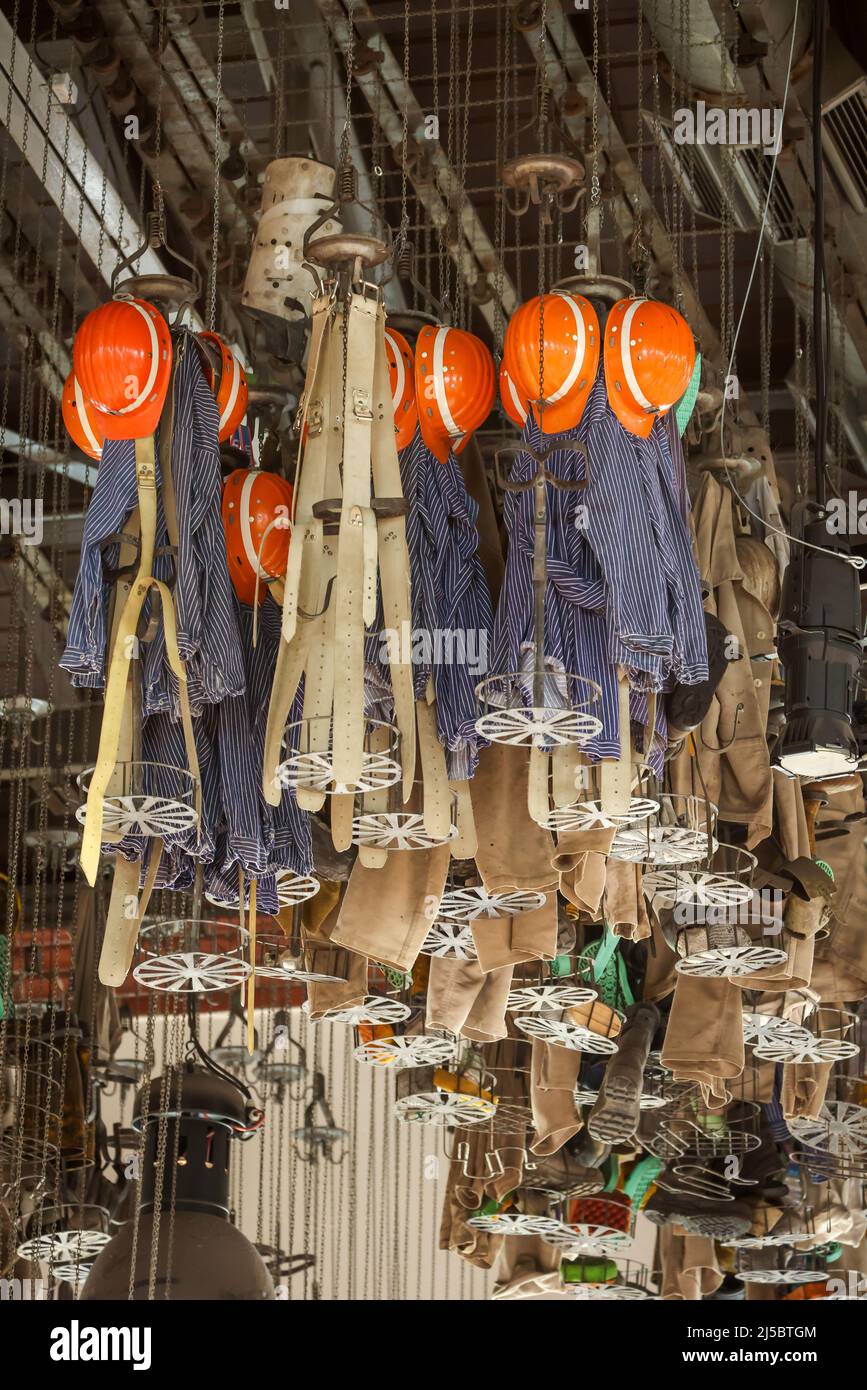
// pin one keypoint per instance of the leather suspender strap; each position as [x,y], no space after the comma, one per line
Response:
[128,749]
[314,427]
[615,778]
[126,910]
[342,807]
[375,802]
[304,568]
[170,510]
[466,842]
[393,559]
[356,541]
[119,664]
[437,796]
[318,697]
[537,785]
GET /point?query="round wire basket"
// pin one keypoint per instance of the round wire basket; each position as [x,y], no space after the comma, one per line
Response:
[192,956]
[384,820]
[309,763]
[144,798]
[680,832]
[554,708]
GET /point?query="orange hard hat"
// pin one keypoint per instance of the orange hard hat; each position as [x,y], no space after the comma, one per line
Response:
[80,419]
[254,506]
[649,357]
[513,402]
[569,332]
[402,377]
[122,358]
[230,388]
[454,387]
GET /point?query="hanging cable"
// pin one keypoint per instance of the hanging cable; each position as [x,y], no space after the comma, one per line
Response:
[856,561]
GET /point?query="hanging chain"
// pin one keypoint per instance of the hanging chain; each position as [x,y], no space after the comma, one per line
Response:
[595,188]
[404,141]
[218,110]
[159,201]
[462,173]
[543,67]
[343,153]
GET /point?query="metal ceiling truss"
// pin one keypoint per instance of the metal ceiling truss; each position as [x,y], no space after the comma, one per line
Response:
[183,84]
[386,95]
[52,145]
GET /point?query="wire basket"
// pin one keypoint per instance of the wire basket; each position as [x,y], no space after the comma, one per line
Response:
[309,764]
[144,799]
[541,710]
[192,956]
[680,832]
[383,820]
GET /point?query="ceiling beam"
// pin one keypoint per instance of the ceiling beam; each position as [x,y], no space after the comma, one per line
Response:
[51,143]
[616,155]
[475,256]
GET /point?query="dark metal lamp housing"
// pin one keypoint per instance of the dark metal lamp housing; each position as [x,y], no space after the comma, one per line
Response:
[821,652]
[199,1253]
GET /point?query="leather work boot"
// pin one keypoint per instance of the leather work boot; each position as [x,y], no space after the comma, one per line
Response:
[561,1175]
[590,1152]
[704,1216]
[615,1113]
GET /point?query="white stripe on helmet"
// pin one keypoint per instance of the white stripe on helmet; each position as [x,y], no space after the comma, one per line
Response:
[81,406]
[155,361]
[397,393]
[233,393]
[439,388]
[580,349]
[626,357]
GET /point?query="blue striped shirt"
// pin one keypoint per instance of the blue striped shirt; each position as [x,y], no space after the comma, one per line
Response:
[452,613]
[623,588]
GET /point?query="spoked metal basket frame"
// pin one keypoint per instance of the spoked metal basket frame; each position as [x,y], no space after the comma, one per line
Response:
[385,820]
[188,955]
[144,799]
[682,831]
[309,760]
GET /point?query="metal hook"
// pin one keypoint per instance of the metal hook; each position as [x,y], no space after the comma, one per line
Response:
[521,203]
[155,240]
[308,617]
[721,748]
[539,457]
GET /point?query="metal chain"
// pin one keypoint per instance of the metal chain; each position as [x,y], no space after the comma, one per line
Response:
[159,202]
[404,143]
[595,188]
[177,1062]
[462,174]
[160,1163]
[543,75]
[215,228]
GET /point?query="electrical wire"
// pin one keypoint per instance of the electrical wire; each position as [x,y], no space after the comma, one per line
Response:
[856,561]
[819,277]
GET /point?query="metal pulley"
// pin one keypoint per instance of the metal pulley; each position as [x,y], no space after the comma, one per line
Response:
[551,182]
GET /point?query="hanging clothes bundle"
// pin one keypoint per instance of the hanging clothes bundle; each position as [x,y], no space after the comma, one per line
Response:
[176,779]
[622,602]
